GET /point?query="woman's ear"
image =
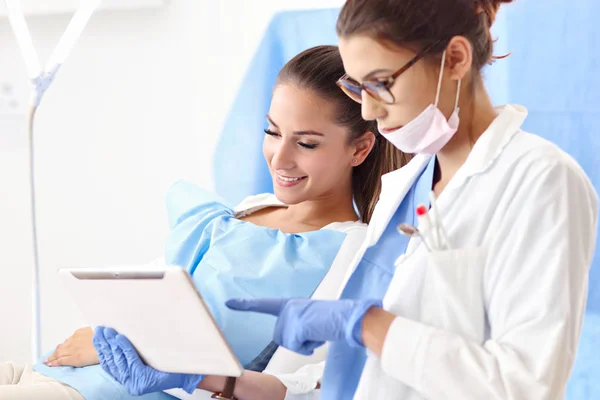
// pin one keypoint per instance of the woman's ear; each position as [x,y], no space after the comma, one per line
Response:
[459,57]
[362,148]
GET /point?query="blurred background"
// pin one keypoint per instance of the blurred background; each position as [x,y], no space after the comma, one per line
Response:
[159,90]
[139,104]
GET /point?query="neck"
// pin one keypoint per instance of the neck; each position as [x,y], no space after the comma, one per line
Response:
[475,115]
[328,208]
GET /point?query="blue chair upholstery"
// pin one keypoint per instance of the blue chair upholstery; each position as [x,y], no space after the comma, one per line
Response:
[553,70]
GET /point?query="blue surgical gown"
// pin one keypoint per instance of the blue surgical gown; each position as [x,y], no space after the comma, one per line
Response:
[227,258]
[370,280]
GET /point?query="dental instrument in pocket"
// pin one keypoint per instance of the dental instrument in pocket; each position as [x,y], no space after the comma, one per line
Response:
[426,227]
[412,231]
[433,228]
[438,222]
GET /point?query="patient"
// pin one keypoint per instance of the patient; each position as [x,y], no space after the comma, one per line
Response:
[326,164]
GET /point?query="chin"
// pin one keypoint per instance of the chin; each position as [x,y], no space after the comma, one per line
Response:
[288,198]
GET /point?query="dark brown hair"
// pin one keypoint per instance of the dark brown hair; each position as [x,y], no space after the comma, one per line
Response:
[317,69]
[422,23]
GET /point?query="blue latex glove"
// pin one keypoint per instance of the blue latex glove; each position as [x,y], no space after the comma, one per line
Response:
[119,359]
[304,324]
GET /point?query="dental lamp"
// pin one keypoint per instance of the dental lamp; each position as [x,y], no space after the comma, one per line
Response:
[41,80]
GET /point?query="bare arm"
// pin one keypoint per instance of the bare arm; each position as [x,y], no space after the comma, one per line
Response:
[251,386]
[375,327]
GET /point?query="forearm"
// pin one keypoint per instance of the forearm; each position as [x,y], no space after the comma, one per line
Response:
[375,326]
[250,386]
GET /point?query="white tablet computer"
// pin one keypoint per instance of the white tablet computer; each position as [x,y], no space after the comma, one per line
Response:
[159,310]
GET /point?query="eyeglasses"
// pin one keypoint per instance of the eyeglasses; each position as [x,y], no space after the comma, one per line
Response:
[379,88]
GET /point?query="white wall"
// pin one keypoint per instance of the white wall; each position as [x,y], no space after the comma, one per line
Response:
[138,105]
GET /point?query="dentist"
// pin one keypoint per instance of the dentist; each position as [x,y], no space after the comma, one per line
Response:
[495,310]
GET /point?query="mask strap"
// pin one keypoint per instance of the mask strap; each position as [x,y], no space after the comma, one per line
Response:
[457,94]
[439,87]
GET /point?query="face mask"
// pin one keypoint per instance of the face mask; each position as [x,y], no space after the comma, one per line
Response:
[429,132]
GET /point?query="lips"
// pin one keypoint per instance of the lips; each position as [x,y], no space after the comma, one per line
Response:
[289,181]
[290,178]
[389,130]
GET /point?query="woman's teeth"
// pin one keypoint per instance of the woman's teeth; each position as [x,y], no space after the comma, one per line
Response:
[283,178]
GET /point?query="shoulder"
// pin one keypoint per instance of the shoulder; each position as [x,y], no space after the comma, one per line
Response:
[540,178]
[255,203]
[531,156]
[528,147]
[185,199]
[507,152]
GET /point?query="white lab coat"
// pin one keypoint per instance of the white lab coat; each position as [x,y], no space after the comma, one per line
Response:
[499,316]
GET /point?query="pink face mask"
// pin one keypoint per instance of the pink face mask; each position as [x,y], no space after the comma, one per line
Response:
[429,132]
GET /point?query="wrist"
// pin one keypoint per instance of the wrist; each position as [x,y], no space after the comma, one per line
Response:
[191,382]
[374,329]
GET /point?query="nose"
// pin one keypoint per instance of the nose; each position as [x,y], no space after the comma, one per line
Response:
[283,156]
[371,108]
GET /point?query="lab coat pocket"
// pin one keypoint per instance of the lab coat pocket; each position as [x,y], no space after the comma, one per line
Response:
[454,294]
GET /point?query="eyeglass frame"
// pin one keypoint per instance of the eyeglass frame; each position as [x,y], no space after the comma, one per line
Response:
[389,81]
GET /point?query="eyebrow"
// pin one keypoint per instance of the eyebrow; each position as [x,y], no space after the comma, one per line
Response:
[298,133]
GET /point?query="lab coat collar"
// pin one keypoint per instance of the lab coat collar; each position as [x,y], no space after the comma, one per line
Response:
[491,143]
[396,184]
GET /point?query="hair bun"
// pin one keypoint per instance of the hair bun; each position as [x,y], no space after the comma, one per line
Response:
[490,8]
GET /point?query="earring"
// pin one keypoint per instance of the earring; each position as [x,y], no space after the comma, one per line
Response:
[354,161]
